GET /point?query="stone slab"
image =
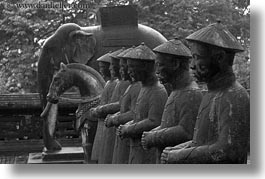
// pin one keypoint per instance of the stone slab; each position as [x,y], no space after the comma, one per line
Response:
[66,155]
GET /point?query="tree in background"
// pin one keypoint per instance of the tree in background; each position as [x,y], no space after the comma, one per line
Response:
[179,18]
[21,33]
[23,30]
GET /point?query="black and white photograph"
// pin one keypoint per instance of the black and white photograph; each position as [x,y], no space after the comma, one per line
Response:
[158,82]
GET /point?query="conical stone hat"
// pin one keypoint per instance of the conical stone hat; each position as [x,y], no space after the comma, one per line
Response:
[218,35]
[105,58]
[125,52]
[117,52]
[141,52]
[174,47]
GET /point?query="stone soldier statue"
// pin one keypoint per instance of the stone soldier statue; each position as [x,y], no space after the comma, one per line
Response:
[104,63]
[182,106]
[221,133]
[149,106]
[126,113]
[109,133]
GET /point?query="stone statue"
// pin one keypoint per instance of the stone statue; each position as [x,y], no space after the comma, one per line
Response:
[126,113]
[108,136]
[182,106]
[104,63]
[221,133]
[149,106]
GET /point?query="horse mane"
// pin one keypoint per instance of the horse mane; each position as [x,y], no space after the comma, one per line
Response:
[87,69]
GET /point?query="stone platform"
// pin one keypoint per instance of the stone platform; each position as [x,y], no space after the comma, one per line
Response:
[67,155]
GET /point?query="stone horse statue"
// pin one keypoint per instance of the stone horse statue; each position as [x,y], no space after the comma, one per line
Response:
[90,84]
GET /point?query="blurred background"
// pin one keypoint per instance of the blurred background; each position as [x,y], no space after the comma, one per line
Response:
[23,30]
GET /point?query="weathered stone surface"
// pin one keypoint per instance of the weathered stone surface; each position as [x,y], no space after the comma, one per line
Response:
[66,155]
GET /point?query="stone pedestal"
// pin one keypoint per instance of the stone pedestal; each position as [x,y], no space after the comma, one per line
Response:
[66,155]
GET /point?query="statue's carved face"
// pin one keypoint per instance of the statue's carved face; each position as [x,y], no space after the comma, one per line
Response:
[124,70]
[104,69]
[114,68]
[165,68]
[202,63]
[135,69]
[140,70]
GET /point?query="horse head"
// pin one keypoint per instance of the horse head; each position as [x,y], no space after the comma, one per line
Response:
[61,82]
[89,82]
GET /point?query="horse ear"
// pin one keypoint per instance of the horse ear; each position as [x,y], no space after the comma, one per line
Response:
[63,66]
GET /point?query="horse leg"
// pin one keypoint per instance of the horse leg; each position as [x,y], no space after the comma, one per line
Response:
[88,132]
[49,124]
[87,147]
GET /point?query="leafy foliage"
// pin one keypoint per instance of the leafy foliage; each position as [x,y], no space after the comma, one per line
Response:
[23,30]
[179,18]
